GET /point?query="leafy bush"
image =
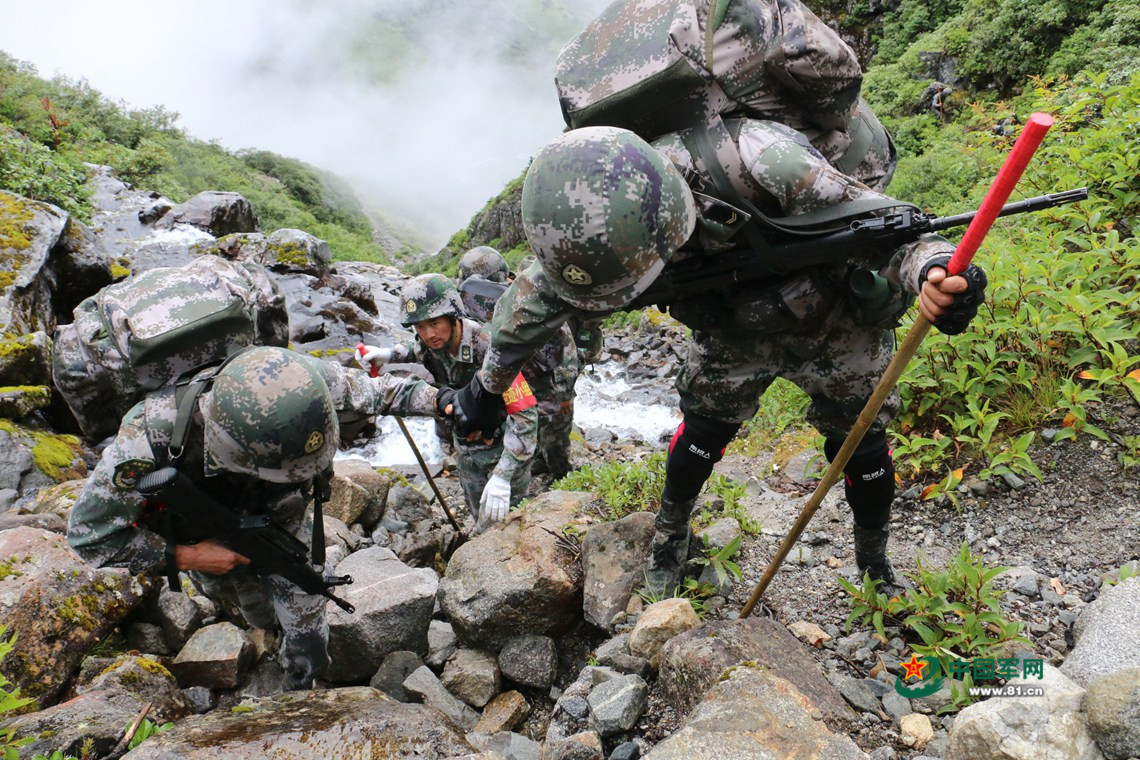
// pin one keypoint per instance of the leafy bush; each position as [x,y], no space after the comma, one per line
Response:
[35,171]
[10,701]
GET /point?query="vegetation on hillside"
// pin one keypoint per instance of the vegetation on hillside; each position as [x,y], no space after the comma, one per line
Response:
[48,129]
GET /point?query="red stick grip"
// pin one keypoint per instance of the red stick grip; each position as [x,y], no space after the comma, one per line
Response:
[1000,190]
[360,351]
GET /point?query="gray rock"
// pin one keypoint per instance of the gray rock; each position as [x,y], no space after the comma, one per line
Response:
[586,745]
[858,694]
[99,715]
[1108,638]
[1025,728]
[754,714]
[148,638]
[529,661]
[616,704]
[393,604]
[626,751]
[215,656]
[423,685]
[396,667]
[146,680]
[473,676]
[218,213]
[311,725]
[1113,707]
[178,616]
[201,699]
[614,556]
[441,643]
[513,746]
[896,704]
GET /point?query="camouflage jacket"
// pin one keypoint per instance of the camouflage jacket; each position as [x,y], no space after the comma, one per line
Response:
[784,175]
[520,431]
[110,526]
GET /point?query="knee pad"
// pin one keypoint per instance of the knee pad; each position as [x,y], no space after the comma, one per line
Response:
[869,479]
[697,445]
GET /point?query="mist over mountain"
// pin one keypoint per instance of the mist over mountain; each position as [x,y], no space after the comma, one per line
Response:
[427,108]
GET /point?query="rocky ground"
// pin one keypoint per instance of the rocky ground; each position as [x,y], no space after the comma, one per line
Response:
[1071,529]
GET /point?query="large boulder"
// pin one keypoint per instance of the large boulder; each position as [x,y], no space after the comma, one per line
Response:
[613,557]
[693,661]
[217,213]
[57,607]
[518,577]
[1113,707]
[311,725]
[1052,725]
[754,713]
[82,266]
[393,603]
[33,459]
[1108,638]
[29,230]
[100,715]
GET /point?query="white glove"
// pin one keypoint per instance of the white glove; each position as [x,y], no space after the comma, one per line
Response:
[373,357]
[496,500]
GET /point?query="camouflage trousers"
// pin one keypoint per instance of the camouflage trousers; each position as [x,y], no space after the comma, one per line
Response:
[272,601]
[837,364]
[553,452]
[476,463]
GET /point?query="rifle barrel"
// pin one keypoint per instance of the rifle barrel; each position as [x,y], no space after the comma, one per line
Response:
[1037,203]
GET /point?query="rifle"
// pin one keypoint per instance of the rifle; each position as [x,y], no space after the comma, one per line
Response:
[702,274]
[271,549]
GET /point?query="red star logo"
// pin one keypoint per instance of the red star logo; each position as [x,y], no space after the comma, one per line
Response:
[914,667]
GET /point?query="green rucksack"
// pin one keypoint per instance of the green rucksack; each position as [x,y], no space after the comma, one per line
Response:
[138,335]
[660,67]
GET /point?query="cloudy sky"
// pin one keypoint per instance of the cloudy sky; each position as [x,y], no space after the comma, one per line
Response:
[280,75]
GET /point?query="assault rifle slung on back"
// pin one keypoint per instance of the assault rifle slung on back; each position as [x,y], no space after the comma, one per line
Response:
[790,250]
[271,549]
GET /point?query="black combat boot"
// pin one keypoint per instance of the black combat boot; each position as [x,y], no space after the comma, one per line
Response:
[871,555]
[670,548]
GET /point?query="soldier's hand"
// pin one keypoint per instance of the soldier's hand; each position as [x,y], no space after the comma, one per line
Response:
[373,358]
[950,302]
[208,556]
[476,408]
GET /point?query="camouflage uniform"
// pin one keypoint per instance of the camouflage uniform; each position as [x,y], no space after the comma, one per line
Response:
[610,218]
[111,526]
[510,454]
[551,373]
[100,361]
[484,261]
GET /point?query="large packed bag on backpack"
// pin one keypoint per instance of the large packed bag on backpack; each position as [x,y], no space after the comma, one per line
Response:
[135,336]
[660,66]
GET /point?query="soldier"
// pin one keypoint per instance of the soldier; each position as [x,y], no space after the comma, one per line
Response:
[493,457]
[551,372]
[260,433]
[606,211]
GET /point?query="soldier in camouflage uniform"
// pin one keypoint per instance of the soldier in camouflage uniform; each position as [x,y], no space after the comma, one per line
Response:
[260,433]
[493,463]
[140,334]
[605,212]
[484,261]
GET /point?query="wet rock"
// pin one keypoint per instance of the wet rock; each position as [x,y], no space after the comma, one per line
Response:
[215,212]
[311,725]
[56,607]
[26,293]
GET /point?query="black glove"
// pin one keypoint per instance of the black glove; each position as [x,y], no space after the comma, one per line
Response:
[443,397]
[476,408]
[965,307]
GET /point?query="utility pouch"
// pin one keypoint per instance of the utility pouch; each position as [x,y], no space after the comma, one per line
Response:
[874,300]
[796,303]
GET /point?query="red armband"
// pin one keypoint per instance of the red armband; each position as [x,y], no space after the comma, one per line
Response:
[519,396]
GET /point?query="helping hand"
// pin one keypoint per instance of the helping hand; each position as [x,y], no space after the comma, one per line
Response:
[495,501]
[372,358]
[475,408]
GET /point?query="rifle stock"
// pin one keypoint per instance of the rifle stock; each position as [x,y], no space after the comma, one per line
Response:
[877,234]
[271,549]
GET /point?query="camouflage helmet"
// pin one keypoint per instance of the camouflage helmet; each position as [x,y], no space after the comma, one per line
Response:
[484,262]
[269,414]
[429,296]
[604,211]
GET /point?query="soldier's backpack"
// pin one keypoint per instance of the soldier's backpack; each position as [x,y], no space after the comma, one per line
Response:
[138,335]
[660,66]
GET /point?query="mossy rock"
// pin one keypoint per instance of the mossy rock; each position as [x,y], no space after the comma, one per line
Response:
[17,402]
[59,457]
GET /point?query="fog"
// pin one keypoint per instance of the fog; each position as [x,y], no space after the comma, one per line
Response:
[469,103]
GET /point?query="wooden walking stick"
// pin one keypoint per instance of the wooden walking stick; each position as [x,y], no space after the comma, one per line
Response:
[419,458]
[999,192]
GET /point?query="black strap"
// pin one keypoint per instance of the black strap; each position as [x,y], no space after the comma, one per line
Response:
[322,489]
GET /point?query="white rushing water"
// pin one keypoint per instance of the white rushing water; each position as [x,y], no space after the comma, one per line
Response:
[606,399]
